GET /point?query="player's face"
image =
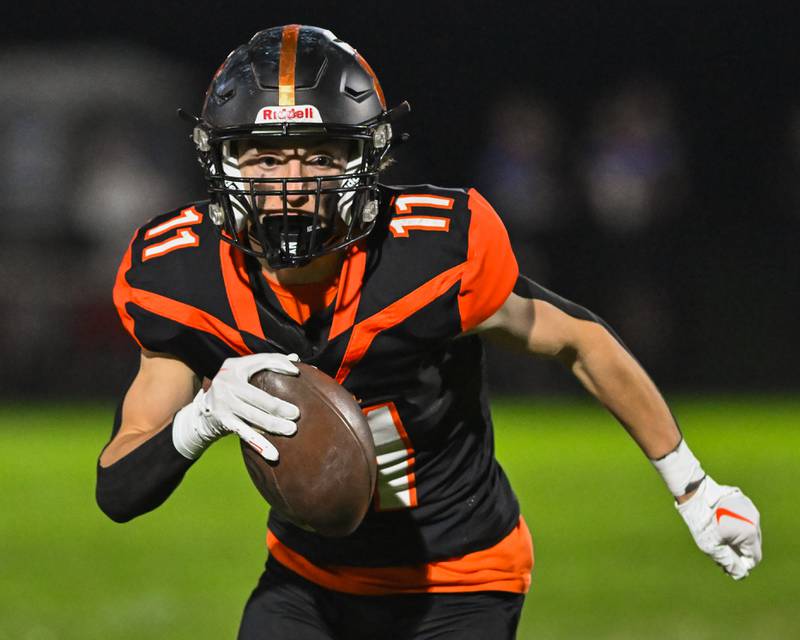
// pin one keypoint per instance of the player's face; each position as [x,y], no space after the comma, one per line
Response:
[266,159]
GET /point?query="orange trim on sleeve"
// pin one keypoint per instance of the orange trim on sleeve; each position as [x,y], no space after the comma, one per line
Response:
[287,64]
[491,270]
[122,292]
[504,567]
[349,294]
[187,315]
[237,286]
[366,330]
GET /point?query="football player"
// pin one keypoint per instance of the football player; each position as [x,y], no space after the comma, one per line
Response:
[301,254]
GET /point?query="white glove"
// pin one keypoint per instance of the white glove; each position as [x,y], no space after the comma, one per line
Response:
[725,524]
[231,402]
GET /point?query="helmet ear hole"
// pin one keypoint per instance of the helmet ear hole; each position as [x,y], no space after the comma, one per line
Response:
[370,211]
[216,214]
[382,136]
[200,138]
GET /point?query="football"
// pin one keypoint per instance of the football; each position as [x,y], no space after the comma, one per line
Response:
[325,475]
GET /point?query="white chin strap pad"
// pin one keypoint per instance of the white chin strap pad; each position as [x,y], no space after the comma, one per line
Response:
[230,166]
[344,206]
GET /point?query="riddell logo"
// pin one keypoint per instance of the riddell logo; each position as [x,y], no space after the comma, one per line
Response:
[299,113]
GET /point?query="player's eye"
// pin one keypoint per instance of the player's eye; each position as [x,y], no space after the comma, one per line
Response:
[269,162]
[322,160]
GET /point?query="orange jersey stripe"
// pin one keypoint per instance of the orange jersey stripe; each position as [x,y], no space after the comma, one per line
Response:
[491,266]
[187,315]
[301,300]
[240,294]
[504,567]
[287,64]
[366,330]
[121,286]
[349,294]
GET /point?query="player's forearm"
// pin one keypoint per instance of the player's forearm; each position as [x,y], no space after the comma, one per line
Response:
[124,443]
[614,377]
[142,478]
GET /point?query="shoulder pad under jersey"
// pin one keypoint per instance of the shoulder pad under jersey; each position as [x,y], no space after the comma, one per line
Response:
[170,286]
[432,238]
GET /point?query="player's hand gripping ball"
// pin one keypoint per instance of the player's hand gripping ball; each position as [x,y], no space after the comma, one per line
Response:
[325,474]
[229,404]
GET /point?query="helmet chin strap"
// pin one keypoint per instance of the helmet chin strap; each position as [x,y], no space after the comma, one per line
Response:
[292,236]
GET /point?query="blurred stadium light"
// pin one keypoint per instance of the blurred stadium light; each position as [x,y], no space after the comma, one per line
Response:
[90,153]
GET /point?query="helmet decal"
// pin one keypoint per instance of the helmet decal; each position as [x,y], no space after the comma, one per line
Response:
[300,113]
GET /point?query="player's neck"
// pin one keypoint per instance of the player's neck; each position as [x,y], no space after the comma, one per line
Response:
[322,269]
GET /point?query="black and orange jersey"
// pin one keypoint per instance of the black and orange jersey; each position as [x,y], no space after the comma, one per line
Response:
[395,335]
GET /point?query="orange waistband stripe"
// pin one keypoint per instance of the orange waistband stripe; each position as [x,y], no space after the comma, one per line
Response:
[504,567]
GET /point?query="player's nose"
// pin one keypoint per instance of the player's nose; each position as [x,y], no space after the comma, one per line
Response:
[295,189]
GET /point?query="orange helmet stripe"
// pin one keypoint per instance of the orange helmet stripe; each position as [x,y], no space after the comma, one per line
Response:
[375,82]
[287,65]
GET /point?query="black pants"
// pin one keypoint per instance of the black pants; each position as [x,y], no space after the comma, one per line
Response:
[285,606]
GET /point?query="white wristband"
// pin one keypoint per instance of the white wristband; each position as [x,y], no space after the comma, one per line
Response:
[186,436]
[679,469]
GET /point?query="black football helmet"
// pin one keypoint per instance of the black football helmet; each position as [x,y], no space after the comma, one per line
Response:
[294,82]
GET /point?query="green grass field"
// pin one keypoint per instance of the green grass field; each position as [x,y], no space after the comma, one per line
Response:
[613,559]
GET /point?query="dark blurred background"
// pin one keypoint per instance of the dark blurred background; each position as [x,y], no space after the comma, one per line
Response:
[644,156]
